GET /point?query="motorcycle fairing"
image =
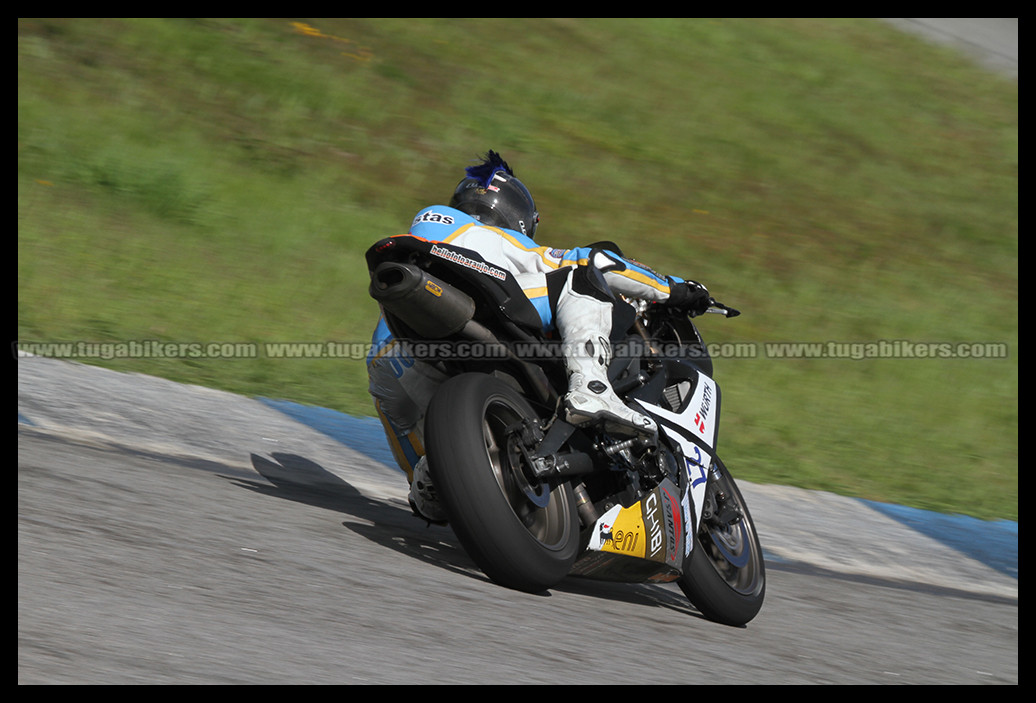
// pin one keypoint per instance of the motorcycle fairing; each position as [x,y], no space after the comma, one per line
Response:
[694,430]
[642,542]
[620,544]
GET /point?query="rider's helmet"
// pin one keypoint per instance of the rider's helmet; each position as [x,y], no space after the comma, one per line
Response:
[493,196]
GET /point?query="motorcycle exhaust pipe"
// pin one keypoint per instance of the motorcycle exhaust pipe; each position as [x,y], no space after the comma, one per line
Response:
[584,506]
[435,310]
[432,308]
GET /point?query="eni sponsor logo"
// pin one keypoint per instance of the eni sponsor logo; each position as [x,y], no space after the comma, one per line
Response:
[625,541]
[625,534]
[433,288]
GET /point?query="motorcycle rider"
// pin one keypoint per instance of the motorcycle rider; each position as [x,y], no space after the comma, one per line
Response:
[573,290]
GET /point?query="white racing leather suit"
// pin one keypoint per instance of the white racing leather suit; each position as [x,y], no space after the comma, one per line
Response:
[402,388]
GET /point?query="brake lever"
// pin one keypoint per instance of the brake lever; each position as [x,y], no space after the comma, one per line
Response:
[718,308]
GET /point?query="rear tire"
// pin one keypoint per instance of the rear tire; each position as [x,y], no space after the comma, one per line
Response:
[726,578]
[523,536]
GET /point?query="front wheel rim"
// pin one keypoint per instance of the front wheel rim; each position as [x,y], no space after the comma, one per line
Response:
[734,553]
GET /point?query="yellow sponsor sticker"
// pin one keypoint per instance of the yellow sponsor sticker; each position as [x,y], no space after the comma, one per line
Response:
[627,533]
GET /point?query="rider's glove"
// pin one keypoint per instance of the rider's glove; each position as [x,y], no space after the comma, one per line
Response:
[690,296]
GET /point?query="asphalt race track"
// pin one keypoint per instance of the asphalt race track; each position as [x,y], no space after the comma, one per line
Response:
[176,534]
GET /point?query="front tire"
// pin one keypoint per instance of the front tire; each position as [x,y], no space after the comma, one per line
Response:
[726,578]
[522,535]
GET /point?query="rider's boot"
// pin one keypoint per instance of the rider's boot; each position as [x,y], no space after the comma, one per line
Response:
[585,324]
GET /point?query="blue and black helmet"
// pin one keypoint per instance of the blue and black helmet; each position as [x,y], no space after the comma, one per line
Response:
[492,195]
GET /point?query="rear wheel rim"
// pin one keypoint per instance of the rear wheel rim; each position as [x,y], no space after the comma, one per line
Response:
[548,525]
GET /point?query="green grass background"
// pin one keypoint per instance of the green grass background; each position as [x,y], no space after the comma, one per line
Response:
[219,180]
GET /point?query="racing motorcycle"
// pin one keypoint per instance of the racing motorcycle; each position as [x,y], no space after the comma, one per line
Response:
[532,498]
